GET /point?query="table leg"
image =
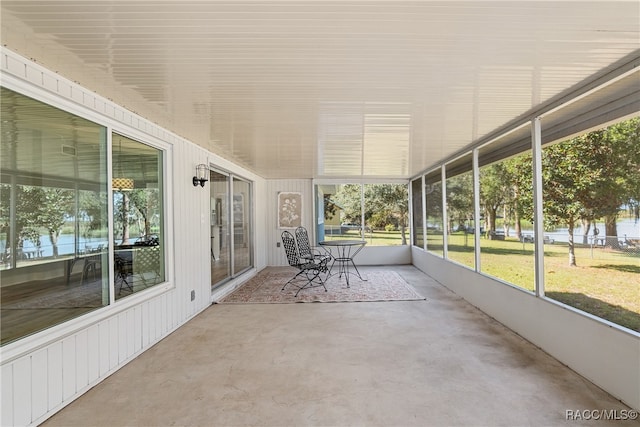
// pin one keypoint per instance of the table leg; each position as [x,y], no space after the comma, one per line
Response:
[68,268]
[345,260]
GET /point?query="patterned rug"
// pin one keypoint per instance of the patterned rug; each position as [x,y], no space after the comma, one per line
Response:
[266,288]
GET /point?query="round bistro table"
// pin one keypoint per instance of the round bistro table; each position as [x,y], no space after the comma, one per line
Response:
[345,251]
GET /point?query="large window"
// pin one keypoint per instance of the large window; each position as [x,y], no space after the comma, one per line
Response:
[137,215]
[435,218]
[591,205]
[506,205]
[54,202]
[386,214]
[460,219]
[378,213]
[590,224]
[342,215]
[53,213]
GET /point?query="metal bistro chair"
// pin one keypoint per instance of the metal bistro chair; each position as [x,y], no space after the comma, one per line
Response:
[147,264]
[304,247]
[312,270]
[124,269]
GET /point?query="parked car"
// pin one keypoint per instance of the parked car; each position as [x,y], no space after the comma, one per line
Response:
[471,230]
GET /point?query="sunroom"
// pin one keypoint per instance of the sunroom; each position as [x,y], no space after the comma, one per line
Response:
[146,149]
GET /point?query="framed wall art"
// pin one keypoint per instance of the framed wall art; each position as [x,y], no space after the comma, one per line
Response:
[289,210]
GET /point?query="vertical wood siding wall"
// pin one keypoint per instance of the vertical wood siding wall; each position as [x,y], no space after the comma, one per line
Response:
[45,372]
[276,255]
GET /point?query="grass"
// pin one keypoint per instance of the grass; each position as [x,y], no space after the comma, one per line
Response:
[605,282]
[376,238]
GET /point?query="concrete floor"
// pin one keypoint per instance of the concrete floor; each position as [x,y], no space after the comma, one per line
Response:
[438,362]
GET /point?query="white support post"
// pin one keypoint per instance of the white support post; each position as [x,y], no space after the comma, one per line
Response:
[538,218]
[362,224]
[476,207]
[424,212]
[445,220]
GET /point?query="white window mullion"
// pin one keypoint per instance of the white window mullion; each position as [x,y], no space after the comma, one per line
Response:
[476,207]
[424,212]
[538,219]
[445,219]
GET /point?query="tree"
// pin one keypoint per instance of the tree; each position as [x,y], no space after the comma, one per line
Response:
[146,203]
[330,208]
[564,175]
[613,158]
[384,204]
[592,176]
[93,211]
[349,197]
[495,190]
[459,199]
[387,204]
[520,174]
[55,207]
[433,194]
[25,222]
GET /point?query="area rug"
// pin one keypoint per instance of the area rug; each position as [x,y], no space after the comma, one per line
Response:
[266,288]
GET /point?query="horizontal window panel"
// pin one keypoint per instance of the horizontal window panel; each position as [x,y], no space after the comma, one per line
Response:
[509,145]
[459,166]
[433,177]
[618,101]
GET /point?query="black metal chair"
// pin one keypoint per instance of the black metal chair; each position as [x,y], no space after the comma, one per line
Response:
[124,269]
[91,268]
[310,270]
[304,247]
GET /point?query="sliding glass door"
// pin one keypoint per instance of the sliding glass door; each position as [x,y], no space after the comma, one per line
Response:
[220,259]
[241,225]
[231,233]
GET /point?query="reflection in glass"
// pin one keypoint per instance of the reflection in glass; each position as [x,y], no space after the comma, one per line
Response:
[241,226]
[220,251]
[53,216]
[138,216]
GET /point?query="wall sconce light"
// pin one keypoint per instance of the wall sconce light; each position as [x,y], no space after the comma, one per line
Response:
[201,175]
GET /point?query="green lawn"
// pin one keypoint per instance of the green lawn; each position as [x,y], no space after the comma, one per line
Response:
[375,238]
[605,282]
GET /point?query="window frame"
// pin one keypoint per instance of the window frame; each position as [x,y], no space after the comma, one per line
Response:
[110,125]
[362,183]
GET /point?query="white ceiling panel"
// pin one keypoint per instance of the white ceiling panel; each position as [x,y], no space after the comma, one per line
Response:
[309,89]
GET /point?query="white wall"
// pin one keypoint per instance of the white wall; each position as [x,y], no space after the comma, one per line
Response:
[43,373]
[607,355]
